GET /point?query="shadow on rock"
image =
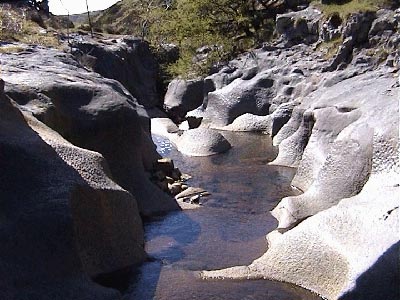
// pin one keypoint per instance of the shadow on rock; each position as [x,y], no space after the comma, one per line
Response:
[381,281]
[44,252]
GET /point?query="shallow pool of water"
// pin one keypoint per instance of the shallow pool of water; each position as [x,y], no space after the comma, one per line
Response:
[228,229]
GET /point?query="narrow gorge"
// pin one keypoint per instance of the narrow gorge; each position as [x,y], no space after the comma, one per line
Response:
[292,148]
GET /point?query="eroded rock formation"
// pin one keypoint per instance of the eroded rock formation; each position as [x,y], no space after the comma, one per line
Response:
[91,112]
[75,154]
[340,237]
[63,217]
[128,60]
[342,232]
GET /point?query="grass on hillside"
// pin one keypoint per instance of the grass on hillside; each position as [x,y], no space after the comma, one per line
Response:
[344,11]
[330,48]
[352,6]
[124,17]
[17,24]
[11,49]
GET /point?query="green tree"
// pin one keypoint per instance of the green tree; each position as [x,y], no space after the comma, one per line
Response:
[226,26]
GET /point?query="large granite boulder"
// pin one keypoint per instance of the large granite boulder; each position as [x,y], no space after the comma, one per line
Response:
[63,218]
[270,124]
[257,84]
[239,97]
[301,26]
[192,142]
[385,21]
[340,237]
[91,112]
[202,142]
[128,60]
[185,95]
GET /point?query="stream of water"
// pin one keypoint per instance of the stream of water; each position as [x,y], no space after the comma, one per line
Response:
[228,229]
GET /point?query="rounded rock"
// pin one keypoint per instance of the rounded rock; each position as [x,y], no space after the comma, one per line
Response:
[202,142]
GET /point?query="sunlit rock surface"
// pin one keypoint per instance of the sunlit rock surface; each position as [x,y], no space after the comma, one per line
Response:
[346,245]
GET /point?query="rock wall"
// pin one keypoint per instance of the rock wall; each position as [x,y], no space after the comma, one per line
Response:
[349,171]
[340,237]
[91,112]
[75,152]
[250,88]
[63,218]
[128,60]
[185,95]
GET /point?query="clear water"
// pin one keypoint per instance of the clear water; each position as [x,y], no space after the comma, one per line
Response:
[228,229]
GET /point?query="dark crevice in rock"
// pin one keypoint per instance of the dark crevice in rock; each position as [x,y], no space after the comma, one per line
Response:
[345,109]
[118,280]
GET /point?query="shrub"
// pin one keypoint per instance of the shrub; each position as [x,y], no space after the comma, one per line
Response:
[227,27]
[345,8]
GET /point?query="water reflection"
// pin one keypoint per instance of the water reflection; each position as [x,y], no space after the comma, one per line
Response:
[229,229]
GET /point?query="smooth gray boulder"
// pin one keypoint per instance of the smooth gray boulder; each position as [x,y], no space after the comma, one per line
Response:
[255,85]
[300,26]
[64,219]
[328,123]
[385,20]
[291,126]
[250,122]
[202,142]
[270,124]
[91,112]
[298,132]
[225,76]
[295,68]
[192,142]
[349,251]
[128,60]
[240,97]
[343,122]
[185,95]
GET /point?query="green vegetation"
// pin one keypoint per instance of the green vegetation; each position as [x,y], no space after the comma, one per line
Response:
[28,25]
[11,49]
[352,6]
[331,47]
[126,17]
[225,27]
[380,53]
[343,11]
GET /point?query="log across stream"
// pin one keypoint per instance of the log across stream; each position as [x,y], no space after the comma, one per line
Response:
[228,229]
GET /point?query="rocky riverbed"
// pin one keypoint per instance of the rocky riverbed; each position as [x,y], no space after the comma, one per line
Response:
[229,226]
[79,165]
[336,121]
